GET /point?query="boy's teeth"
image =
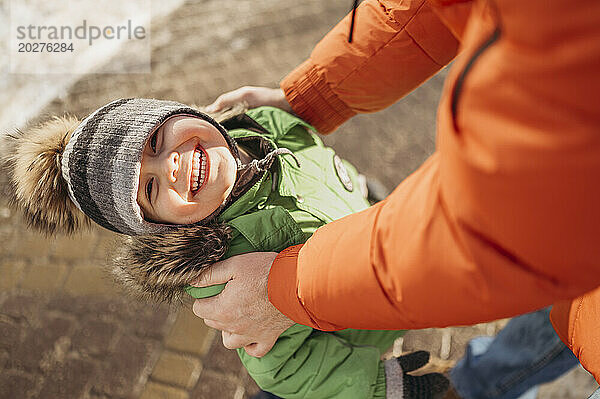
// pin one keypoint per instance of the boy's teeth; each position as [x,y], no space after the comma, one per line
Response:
[198,170]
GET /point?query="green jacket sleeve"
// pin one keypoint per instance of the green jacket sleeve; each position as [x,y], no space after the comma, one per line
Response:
[306,363]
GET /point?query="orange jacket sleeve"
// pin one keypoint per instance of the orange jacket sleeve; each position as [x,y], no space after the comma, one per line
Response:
[576,322]
[397,45]
[404,263]
[504,218]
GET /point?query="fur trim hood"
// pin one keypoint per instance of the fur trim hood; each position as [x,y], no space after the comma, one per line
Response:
[159,266]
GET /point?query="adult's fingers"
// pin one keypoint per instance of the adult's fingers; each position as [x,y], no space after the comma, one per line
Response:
[258,349]
[233,341]
[228,99]
[223,271]
[253,96]
[232,328]
[214,324]
[218,273]
[208,308]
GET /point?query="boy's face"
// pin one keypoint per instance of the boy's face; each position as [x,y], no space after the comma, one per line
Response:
[187,171]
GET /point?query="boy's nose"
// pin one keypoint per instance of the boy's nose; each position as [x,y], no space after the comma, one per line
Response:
[173,167]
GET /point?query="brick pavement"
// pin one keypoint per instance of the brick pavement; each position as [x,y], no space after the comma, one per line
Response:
[67,332]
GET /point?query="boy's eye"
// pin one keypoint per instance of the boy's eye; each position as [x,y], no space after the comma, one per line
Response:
[153,140]
[149,189]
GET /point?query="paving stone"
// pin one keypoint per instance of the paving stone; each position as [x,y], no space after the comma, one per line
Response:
[10,334]
[250,387]
[462,335]
[86,280]
[44,278]
[223,360]
[176,369]
[214,385]
[39,343]
[79,246]
[11,272]
[426,338]
[4,356]
[15,385]
[69,379]
[93,337]
[30,245]
[113,306]
[189,334]
[575,384]
[79,306]
[155,390]
[21,305]
[152,320]
[7,239]
[142,319]
[95,395]
[122,370]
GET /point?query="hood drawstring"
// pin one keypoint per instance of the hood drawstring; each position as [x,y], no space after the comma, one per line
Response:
[352,22]
[247,172]
[267,161]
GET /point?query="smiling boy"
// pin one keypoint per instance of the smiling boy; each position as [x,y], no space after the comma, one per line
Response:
[189,191]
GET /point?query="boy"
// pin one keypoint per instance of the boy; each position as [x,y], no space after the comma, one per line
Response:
[189,191]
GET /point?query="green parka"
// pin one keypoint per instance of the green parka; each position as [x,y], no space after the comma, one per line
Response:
[284,208]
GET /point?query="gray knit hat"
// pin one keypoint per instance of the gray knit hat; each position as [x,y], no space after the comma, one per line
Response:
[101,161]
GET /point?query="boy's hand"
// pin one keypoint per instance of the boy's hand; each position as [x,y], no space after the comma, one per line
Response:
[242,310]
[253,96]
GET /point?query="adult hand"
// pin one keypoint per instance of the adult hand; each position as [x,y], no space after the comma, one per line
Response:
[253,96]
[242,310]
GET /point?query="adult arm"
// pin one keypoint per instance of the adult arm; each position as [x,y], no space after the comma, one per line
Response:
[502,220]
[397,45]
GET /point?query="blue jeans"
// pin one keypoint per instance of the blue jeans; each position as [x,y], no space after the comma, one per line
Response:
[526,353]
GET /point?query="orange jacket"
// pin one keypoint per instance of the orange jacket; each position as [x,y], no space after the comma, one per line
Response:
[578,324]
[504,218]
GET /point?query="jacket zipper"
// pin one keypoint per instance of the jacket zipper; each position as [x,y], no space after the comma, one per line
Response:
[461,78]
[351,33]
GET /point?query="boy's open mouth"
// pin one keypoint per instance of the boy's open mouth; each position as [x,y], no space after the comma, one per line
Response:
[200,170]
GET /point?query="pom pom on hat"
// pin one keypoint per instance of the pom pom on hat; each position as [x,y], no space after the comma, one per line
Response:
[34,158]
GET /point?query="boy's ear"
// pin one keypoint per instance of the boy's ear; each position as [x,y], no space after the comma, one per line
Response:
[34,159]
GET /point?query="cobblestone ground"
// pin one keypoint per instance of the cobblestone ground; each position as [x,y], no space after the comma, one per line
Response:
[67,332]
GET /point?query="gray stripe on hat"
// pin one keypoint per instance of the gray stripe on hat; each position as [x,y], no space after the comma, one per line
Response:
[125,176]
[67,154]
[111,135]
[85,157]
